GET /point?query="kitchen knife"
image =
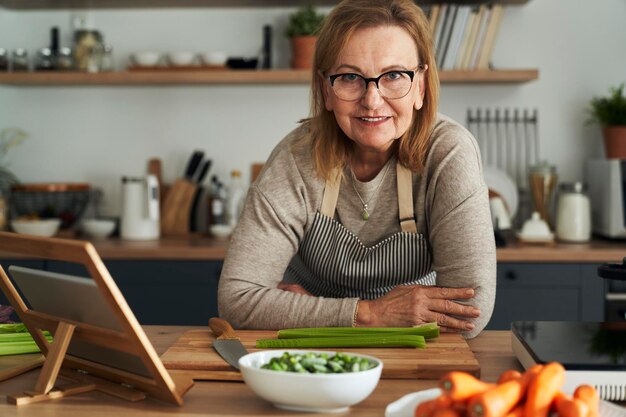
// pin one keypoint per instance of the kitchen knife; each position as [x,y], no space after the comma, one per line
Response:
[192,165]
[227,343]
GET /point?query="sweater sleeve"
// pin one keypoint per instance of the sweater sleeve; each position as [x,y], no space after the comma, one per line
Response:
[459,221]
[272,224]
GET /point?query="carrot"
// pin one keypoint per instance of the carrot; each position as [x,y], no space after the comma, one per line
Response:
[590,396]
[427,408]
[567,406]
[543,389]
[499,400]
[446,412]
[461,385]
[509,375]
[518,411]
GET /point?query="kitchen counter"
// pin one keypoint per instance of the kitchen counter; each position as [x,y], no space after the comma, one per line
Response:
[205,248]
[202,248]
[492,349]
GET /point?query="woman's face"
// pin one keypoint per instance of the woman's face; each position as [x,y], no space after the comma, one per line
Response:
[372,121]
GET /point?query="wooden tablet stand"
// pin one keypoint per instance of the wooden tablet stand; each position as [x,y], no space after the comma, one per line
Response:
[86,375]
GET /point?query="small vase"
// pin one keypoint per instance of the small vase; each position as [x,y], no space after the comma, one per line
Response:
[615,142]
[303,50]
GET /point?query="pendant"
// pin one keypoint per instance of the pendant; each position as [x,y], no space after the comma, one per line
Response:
[364,214]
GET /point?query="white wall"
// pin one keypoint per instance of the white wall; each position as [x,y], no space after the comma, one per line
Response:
[98,134]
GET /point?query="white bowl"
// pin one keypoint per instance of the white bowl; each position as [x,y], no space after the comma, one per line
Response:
[146,59]
[181,58]
[308,392]
[38,227]
[214,58]
[220,231]
[98,228]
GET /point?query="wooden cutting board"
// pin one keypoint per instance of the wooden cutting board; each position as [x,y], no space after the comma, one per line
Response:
[194,355]
[13,365]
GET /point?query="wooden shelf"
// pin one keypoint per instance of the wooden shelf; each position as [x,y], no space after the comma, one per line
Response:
[230,77]
[121,4]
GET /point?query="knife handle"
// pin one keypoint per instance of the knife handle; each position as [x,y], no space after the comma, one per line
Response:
[222,329]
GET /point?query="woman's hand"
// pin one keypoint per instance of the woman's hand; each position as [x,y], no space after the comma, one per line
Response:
[410,305]
[298,289]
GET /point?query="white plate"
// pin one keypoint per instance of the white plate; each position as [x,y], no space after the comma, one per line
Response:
[405,406]
[500,182]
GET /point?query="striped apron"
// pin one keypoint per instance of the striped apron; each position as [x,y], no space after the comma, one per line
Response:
[332,262]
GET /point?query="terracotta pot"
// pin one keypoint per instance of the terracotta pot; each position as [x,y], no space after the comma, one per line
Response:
[302,49]
[615,142]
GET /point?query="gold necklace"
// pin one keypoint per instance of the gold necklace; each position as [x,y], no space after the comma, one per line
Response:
[365,214]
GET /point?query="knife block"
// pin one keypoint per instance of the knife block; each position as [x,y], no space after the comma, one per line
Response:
[176,209]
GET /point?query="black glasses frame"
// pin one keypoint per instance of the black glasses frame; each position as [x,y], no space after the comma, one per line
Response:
[375,80]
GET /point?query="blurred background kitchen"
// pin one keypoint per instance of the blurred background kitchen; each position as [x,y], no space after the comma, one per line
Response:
[97,131]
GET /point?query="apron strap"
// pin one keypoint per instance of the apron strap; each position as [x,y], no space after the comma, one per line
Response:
[405,199]
[331,193]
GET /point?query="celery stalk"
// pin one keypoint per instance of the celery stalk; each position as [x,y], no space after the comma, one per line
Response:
[18,348]
[428,331]
[352,341]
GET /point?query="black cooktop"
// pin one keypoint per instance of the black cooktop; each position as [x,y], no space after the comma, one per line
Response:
[577,345]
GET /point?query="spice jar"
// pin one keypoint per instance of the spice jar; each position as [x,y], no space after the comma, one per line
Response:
[20,60]
[65,60]
[106,61]
[573,219]
[4,60]
[45,60]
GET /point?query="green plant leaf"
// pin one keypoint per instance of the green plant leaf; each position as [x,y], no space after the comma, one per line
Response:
[306,21]
[609,111]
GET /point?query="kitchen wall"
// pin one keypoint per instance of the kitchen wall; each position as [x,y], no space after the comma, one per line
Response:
[98,134]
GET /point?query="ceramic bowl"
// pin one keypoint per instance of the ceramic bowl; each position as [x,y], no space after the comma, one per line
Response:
[535,229]
[304,391]
[38,227]
[214,58]
[220,231]
[243,62]
[146,59]
[98,228]
[181,58]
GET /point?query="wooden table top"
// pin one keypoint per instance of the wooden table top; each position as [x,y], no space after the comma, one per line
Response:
[492,349]
[202,247]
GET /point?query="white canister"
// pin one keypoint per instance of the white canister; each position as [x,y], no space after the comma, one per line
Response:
[573,215]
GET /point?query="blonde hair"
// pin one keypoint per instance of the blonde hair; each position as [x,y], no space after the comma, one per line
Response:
[331,147]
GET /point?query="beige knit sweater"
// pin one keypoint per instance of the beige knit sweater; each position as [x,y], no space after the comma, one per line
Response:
[451,207]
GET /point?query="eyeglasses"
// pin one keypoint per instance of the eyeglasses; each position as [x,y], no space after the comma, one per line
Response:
[391,85]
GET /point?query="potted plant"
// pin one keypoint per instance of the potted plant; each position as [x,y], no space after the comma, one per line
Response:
[610,113]
[302,29]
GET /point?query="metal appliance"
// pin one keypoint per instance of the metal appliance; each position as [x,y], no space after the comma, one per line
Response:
[140,208]
[592,353]
[607,191]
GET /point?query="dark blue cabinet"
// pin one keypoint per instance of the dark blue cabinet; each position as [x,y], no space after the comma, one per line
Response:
[547,292]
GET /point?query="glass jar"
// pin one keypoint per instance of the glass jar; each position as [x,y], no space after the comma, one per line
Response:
[45,60]
[20,60]
[87,50]
[573,218]
[4,60]
[65,60]
[106,63]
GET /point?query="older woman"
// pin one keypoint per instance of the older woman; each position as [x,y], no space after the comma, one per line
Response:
[374,211]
